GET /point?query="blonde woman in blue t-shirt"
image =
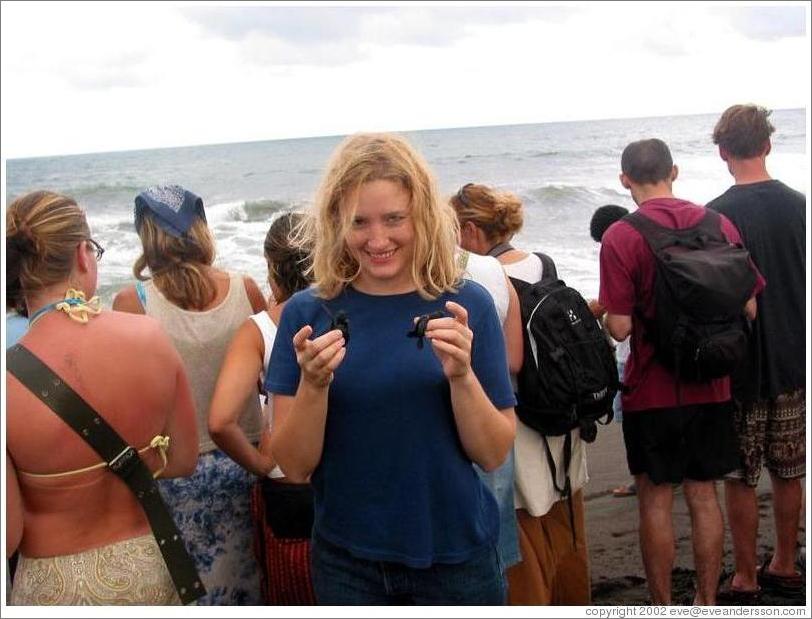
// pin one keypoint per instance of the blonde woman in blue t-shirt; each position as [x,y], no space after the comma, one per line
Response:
[385,425]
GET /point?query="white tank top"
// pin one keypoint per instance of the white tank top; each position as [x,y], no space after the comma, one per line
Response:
[202,339]
[488,273]
[268,330]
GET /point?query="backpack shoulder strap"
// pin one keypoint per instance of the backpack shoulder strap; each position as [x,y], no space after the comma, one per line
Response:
[122,459]
[498,250]
[566,490]
[711,225]
[548,271]
[520,286]
[658,237]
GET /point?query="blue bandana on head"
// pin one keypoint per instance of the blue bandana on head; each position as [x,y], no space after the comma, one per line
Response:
[173,208]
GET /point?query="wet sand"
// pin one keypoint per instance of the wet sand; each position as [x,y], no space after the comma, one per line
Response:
[617,568]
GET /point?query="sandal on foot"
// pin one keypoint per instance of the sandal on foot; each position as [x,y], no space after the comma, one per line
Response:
[625,490]
[777,582]
[728,595]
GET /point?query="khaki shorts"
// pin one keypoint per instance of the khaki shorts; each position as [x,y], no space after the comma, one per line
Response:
[772,433]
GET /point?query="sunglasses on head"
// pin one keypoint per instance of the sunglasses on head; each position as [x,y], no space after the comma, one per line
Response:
[461,195]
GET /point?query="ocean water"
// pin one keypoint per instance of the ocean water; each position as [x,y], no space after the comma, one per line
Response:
[562,172]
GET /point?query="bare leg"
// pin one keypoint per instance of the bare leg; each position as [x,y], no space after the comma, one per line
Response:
[707,533]
[786,510]
[742,515]
[656,536]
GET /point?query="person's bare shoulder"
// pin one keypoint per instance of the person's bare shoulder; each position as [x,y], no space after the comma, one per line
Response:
[137,332]
[126,300]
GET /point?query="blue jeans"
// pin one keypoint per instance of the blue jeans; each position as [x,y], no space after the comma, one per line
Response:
[500,483]
[341,579]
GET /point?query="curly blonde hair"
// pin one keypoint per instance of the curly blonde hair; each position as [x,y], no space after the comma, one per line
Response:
[363,158]
[499,214]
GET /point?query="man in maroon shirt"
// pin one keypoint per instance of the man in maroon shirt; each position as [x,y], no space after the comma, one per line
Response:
[674,433]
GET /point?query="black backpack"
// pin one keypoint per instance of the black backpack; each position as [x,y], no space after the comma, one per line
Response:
[701,285]
[569,375]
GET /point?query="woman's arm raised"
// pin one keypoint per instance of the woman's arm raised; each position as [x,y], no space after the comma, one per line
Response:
[486,432]
[299,421]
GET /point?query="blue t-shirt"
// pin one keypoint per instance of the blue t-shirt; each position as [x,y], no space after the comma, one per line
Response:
[394,483]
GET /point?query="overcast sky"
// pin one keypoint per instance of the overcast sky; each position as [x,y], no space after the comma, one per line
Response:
[96,77]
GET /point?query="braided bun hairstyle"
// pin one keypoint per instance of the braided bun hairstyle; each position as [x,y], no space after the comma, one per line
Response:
[178,265]
[497,213]
[43,229]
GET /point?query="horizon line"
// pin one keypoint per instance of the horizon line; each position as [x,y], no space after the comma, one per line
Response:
[341,135]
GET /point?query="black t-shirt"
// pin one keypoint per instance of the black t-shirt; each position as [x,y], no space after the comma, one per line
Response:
[771,218]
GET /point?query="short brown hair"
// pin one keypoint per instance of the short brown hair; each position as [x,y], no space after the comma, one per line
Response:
[743,130]
[647,162]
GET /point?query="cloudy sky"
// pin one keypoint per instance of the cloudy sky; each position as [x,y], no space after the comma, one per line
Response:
[90,77]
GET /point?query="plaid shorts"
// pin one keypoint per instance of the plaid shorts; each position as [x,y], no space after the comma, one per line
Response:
[772,433]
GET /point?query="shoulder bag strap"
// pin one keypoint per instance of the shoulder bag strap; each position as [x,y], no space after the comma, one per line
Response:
[122,459]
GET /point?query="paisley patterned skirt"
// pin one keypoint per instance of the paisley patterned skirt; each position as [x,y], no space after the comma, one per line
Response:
[213,513]
[128,572]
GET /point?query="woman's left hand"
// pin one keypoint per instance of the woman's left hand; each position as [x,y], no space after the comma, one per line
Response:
[451,340]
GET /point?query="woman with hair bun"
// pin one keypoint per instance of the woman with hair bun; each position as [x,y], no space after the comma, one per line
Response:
[390,379]
[554,569]
[82,534]
[282,509]
[201,307]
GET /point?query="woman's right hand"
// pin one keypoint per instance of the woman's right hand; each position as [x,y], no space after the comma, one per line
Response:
[318,358]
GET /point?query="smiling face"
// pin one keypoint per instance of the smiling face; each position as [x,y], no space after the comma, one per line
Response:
[381,238]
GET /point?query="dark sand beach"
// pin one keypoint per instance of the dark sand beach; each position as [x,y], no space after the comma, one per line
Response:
[617,568]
